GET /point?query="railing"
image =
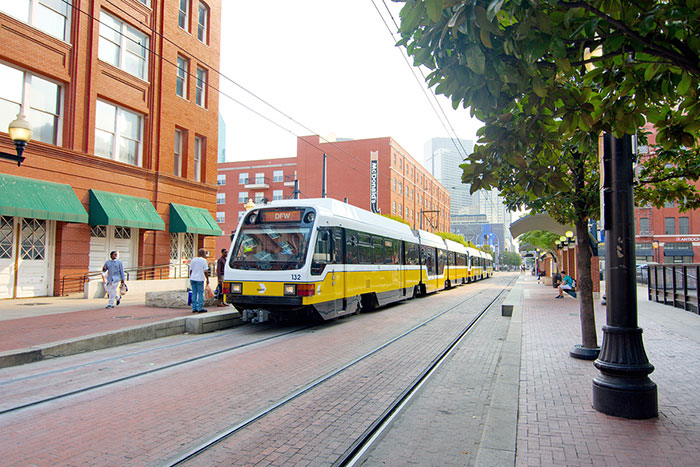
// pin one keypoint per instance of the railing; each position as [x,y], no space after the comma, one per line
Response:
[75,283]
[675,284]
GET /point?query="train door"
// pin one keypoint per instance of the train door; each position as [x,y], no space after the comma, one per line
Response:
[341,300]
[327,263]
[402,266]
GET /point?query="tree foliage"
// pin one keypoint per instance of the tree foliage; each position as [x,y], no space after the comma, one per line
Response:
[542,239]
[510,258]
[561,71]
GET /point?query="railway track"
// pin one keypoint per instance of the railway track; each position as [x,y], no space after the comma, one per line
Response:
[139,374]
[364,442]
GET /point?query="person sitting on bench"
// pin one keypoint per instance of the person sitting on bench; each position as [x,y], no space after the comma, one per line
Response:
[567,285]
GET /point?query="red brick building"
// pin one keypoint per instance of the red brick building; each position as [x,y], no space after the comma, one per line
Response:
[260,181]
[121,96]
[666,235]
[403,187]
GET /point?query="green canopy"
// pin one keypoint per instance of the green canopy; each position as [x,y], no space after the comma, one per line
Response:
[37,199]
[192,220]
[123,210]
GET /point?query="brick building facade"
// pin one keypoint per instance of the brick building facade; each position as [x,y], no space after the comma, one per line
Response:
[666,235]
[404,188]
[121,96]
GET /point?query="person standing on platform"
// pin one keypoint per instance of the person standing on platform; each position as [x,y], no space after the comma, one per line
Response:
[199,273]
[220,266]
[113,271]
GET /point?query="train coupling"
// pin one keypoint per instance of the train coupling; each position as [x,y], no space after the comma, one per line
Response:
[255,316]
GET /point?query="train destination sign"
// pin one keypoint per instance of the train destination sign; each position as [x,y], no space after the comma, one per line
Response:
[280,216]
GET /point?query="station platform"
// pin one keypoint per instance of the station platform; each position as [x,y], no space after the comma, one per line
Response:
[541,411]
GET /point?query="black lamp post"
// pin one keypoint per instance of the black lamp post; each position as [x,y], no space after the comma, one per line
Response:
[623,388]
[20,132]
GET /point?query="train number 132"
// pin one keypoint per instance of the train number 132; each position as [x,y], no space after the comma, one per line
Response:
[296,277]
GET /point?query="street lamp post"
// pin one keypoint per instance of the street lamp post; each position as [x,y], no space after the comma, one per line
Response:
[20,132]
[623,388]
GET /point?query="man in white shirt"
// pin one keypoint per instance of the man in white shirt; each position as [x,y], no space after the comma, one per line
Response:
[199,274]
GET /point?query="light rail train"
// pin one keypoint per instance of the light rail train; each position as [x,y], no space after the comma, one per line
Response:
[292,258]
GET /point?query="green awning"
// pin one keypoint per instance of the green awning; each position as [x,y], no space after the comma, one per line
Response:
[192,220]
[37,199]
[123,210]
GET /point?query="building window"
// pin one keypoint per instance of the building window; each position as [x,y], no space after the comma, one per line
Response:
[393,207]
[683,226]
[277,194]
[243,179]
[220,217]
[259,196]
[183,69]
[49,16]
[221,179]
[670,225]
[400,208]
[117,133]
[242,197]
[277,176]
[203,23]
[40,99]
[669,204]
[183,15]
[199,153]
[399,187]
[259,179]
[201,87]
[177,153]
[122,46]
[221,198]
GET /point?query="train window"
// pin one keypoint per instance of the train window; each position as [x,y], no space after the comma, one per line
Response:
[442,258]
[429,259]
[379,250]
[412,254]
[323,253]
[365,243]
[392,251]
[352,252]
[337,245]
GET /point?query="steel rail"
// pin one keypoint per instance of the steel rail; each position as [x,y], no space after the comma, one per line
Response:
[367,440]
[147,372]
[224,434]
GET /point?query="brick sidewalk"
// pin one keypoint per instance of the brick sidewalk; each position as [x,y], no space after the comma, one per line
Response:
[24,333]
[557,424]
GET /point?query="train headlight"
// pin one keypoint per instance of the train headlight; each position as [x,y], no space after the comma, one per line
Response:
[236,287]
[290,289]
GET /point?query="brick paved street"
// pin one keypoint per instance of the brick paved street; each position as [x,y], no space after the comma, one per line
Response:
[150,420]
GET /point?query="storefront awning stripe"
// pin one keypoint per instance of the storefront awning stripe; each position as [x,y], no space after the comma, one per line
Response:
[123,210]
[192,220]
[37,199]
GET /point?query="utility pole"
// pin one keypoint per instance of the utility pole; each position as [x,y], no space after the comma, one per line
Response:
[323,179]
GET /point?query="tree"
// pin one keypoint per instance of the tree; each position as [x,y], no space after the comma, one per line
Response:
[541,239]
[547,77]
[510,258]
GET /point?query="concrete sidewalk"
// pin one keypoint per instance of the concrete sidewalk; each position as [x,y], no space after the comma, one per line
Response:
[47,327]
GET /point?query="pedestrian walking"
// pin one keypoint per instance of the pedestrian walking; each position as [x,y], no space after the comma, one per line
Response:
[220,266]
[199,273]
[113,273]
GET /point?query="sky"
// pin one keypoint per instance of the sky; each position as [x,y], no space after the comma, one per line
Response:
[330,66]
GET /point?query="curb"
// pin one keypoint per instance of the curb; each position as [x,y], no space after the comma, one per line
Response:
[499,437]
[199,324]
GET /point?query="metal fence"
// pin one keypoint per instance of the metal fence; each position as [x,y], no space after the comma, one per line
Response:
[675,284]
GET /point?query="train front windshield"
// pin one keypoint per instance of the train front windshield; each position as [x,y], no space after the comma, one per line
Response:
[270,247]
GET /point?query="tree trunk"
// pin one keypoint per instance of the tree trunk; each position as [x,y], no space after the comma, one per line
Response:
[585,285]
